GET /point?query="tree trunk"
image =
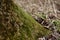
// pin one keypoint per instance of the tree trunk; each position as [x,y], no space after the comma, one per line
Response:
[15,24]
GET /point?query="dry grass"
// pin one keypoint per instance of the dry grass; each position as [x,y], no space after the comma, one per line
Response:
[48,10]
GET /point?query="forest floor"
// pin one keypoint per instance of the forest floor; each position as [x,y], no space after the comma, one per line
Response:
[45,12]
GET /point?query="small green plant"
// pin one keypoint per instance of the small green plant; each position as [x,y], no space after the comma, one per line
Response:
[57,24]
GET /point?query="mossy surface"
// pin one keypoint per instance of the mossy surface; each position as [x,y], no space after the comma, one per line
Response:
[16,24]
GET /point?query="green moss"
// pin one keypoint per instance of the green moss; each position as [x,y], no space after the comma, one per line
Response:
[30,27]
[19,25]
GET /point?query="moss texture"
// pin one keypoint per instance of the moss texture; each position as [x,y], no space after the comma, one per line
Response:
[16,24]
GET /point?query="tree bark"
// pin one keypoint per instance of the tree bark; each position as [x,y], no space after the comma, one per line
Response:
[16,24]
